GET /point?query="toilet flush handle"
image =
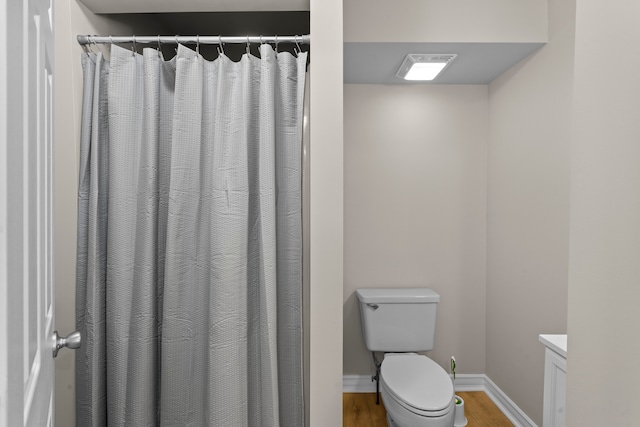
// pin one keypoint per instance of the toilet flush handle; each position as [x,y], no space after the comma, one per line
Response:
[374,307]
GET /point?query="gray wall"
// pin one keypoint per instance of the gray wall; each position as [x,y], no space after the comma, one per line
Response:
[326,227]
[528,211]
[415,209]
[604,267]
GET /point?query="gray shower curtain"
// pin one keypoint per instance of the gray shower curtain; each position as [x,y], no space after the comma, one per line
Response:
[189,269]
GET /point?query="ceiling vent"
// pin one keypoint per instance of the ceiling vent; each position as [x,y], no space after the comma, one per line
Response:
[424,67]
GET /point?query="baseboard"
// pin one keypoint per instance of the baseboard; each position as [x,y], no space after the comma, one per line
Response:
[470,382]
[358,384]
[463,382]
[507,406]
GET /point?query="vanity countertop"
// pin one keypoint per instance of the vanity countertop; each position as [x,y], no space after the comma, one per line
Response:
[556,342]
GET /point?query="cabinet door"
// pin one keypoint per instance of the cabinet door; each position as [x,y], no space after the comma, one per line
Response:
[555,389]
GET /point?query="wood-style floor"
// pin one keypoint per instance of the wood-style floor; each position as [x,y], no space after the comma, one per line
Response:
[360,410]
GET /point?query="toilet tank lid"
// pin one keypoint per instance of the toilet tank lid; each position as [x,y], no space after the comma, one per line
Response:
[397,295]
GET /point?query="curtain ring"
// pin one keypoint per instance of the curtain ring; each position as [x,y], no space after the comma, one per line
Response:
[295,38]
[220,46]
[177,43]
[159,47]
[248,46]
[276,43]
[87,47]
[133,48]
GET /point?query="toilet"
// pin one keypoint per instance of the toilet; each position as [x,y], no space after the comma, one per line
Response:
[416,391]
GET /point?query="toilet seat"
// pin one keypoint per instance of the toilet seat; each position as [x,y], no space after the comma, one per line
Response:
[418,384]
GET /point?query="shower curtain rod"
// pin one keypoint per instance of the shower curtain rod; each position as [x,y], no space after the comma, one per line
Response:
[87,39]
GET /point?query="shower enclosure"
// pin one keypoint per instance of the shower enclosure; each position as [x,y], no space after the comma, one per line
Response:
[190,249]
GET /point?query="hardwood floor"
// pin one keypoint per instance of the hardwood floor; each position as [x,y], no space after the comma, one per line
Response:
[481,411]
[360,410]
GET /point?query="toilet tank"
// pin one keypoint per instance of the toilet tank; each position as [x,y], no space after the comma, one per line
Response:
[398,319]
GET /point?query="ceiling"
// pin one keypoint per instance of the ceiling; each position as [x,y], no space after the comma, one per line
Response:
[233,23]
[168,6]
[477,63]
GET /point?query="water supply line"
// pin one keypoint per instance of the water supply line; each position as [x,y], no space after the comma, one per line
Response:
[376,377]
[453,370]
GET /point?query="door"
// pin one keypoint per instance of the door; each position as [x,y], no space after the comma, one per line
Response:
[26,203]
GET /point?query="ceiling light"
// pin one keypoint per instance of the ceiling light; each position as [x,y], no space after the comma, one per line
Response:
[420,66]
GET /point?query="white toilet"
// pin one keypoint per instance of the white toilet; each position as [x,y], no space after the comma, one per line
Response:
[416,391]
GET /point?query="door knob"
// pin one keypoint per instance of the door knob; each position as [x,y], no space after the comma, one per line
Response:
[70,341]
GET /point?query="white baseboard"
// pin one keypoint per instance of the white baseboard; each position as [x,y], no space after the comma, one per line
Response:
[470,382]
[358,384]
[464,382]
[507,406]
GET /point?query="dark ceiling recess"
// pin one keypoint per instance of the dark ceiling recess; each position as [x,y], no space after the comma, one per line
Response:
[228,24]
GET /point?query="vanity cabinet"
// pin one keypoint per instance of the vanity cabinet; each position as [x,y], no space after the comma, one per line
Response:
[555,380]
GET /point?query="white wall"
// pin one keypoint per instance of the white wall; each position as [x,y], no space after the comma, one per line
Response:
[604,272]
[528,212]
[415,209]
[450,21]
[326,214]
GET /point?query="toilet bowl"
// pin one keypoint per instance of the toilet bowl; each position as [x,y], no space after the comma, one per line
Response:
[416,391]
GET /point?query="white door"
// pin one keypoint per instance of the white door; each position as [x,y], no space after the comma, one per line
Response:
[26,203]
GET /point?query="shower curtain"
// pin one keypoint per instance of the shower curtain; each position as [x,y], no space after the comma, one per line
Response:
[189,269]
